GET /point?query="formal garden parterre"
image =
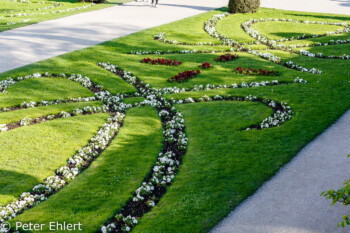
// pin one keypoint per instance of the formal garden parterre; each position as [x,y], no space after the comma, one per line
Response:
[169,156]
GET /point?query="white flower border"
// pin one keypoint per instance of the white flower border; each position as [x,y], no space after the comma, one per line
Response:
[167,165]
[82,80]
[77,162]
[210,28]
[67,173]
[248,28]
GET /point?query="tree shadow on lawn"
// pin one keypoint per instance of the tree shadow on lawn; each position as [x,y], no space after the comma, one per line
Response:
[322,16]
[14,184]
[287,34]
[337,50]
[99,192]
[66,1]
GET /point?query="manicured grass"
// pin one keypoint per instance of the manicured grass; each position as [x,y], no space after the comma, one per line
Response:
[10,117]
[96,194]
[31,154]
[211,167]
[133,100]
[190,30]
[34,7]
[223,165]
[231,26]
[337,50]
[279,30]
[223,73]
[42,89]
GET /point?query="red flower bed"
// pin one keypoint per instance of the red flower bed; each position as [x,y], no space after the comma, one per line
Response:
[160,61]
[184,76]
[250,71]
[206,65]
[226,57]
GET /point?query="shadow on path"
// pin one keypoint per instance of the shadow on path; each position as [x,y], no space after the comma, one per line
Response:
[345,3]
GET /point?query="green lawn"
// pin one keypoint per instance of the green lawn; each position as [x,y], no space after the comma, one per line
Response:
[42,89]
[223,165]
[31,154]
[25,13]
[97,193]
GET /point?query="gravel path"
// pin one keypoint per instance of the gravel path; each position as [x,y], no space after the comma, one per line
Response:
[26,45]
[322,6]
[290,202]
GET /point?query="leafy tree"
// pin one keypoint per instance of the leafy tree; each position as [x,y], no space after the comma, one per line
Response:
[243,6]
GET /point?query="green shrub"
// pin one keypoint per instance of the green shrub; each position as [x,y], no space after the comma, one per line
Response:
[243,6]
[340,196]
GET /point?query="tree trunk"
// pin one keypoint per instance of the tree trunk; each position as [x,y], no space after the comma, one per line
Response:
[243,6]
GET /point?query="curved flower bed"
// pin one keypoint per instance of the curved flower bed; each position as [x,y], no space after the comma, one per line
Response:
[226,57]
[251,71]
[206,65]
[273,44]
[321,55]
[172,90]
[209,27]
[282,112]
[84,81]
[161,36]
[184,76]
[248,28]
[160,61]
[75,165]
[316,44]
[169,160]
[154,186]
[32,104]
[288,64]
[29,121]
[82,159]
[186,51]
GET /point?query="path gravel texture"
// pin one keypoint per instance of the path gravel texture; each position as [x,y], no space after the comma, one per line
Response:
[26,45]
[321,6]
[290,202]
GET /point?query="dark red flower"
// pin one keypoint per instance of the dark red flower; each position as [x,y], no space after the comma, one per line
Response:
[250,71]
[226,57]
[161,61]
[184,76]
